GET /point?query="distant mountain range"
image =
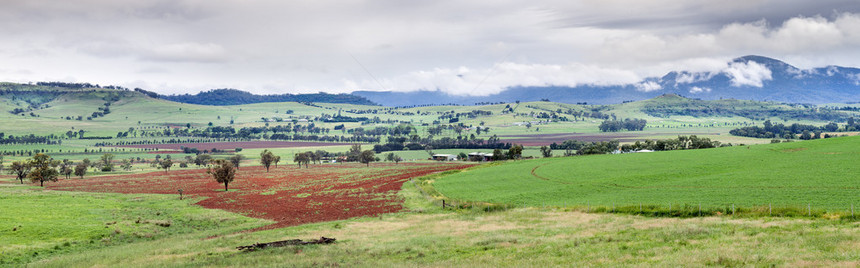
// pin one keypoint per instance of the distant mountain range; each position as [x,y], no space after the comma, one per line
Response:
[235,97]
[750,77]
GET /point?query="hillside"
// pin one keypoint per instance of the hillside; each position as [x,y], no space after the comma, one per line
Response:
[753,176]
[749,78]
[236,97]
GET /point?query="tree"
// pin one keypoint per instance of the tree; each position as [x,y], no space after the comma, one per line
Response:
[236,159]
[354,152]
[277,160]
[126,164]
[87,162]
[223,172]
[43,169]
[515,152]
[20,169]
[389,157]
[301,158]
[366,157]
[166,164]
[266,158]
[106,159]
[202,159]
[66,168]
[81,170]
[546,151]
[498,155]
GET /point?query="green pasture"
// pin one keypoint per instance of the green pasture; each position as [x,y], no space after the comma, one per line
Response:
[820,174]
[36,223]
[424,235]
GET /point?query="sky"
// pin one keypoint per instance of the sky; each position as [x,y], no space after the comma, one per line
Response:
[462,47]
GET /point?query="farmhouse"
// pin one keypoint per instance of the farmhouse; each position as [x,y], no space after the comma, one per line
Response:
[480,157]
[444,157]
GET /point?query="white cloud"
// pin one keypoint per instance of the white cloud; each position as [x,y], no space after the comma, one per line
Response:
[688,78]
[188,51]
[695,90]
[748,73]
[482,82]
[270,46]
[648,86]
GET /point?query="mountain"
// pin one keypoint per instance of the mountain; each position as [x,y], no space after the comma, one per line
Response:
[749,77]
[235,97]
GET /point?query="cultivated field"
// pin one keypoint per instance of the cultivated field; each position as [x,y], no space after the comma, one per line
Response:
[798,175]
[287,195]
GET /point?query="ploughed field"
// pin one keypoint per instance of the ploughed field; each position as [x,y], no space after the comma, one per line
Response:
[287,195]
[821,175]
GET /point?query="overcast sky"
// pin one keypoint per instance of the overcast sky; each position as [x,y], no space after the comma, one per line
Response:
[461,47]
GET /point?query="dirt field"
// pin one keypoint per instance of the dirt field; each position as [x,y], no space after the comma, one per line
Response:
[234,145]
[286,194]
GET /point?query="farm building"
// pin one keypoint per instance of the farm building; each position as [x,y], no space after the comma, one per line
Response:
[444,157]
[480,157]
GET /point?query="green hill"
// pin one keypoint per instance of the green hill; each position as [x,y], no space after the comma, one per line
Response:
[819,173]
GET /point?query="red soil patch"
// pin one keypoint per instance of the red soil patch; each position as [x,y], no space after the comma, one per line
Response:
[288,195]
[233,145]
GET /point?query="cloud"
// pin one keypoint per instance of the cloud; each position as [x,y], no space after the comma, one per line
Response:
[648,86]
[187,52]
[695,90]
[482,82]
[688,78]
[748,73]
[270,46]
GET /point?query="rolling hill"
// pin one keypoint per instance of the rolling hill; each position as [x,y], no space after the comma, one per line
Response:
[749,77]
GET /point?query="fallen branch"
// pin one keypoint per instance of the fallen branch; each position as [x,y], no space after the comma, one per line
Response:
[291,242]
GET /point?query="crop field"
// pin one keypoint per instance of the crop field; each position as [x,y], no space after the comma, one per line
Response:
[820,175]
[287,195]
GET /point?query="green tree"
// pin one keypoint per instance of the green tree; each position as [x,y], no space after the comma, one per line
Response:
[166,164]
[81,170]
[236,159]
[266,158]
[546,151]
[366,157]
[202,159]
[223,172]
[43,169]
[301,158]
[66,168]
[126,164]
[20,169]
[107,162]
[515,152]
[354,153]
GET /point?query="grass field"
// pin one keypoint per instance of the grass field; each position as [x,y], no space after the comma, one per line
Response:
[526,237]
[820,174]
[35,223]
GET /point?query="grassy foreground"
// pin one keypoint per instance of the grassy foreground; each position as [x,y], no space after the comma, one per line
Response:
[35,223]
[427,236]
[790,177]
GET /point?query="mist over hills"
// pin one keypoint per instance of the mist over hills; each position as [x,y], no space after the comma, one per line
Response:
[749,77]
